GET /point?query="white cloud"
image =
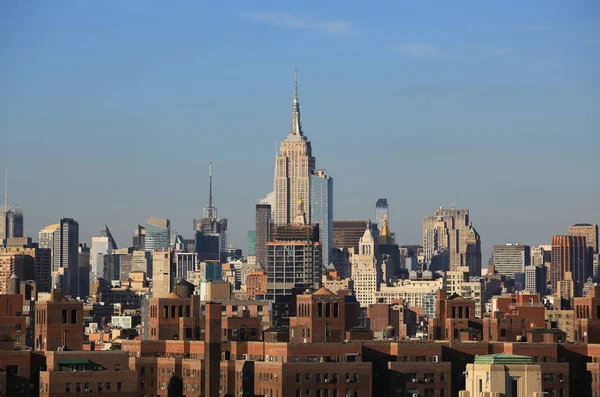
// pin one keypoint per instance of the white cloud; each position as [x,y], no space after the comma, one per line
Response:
[418,50]
[287,20]
[500,51]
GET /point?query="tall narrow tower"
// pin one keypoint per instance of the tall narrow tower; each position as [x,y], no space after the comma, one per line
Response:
[293,167]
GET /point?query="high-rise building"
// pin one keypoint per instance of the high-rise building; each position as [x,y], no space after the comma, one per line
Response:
[158,234]
[294,256]
[321,209]
[535,279]
[102,245]
[46,239]
[42,261]
[139,237]
[366,272]
[569,254]
[293,167]
[263,232]
[511,258]
[65,255]
[251,243]
[11,222]
[473,252]
[162,280]
[444,234]
[347,234]
[19,264]
[590,232]
[211,226]
[83,270]
[541,255]
[382,211]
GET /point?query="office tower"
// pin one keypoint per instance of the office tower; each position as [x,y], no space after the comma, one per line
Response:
[102,245]
[535,279]
[366,272]
[83,270]
[590,232]
[46,240]
[139,238]
[293,167]
[511,258]
[251,243]
[321,209]
[541,255]
[19,264]
[569,254]
[444,236]
[347,234]
[382,211]
[141,261]
[294,256]
[185,265]
[211,271]
[162,280]
[42,263]
[65,255]
[263,232]
[158,234]
[388,253]
[473,252]
[210,226]
[11,223]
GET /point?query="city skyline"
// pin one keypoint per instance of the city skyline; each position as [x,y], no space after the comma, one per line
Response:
[415,85]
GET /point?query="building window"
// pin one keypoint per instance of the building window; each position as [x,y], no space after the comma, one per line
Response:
[64,316]
[119,386]
[143,384]
[320,309]
[117,367]
[307,377]
[108,385]
[74,316]
[429,392]
[443,377]
[318,378]
[549,377]
[307,392]
[336,309]
[100,386]
[78,387]
[68,387]
[298,378]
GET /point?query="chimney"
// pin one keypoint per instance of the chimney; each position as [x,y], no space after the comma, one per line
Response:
[212,348]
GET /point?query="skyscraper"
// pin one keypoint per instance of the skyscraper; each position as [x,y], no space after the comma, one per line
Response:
[511,258]
[11,223]
[162,280]
[473,252]
[158,234]
[251,243]
[102,245]
[139,237]
[569,254]
[211,226]
[590,232]
[294,256]
[535,279]
[382,211]
[65,254]
[321,209]
[366,272]
[444,236]
[293,167]
[263,232]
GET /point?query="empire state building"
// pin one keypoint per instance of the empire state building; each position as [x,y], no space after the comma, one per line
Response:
[294,166]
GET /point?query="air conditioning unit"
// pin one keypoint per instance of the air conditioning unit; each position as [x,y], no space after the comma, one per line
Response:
[427,380]
[348,380]
[562,381]
[88,390]
[327,381]
[244,356]
[415,380]
[435,359]
[415,395]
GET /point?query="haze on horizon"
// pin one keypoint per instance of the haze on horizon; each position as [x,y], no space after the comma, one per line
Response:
[111,111]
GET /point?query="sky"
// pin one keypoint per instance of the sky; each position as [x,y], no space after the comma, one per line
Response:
[110,111]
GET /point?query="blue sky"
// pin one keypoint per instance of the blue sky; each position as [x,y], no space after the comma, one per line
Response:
[111,111]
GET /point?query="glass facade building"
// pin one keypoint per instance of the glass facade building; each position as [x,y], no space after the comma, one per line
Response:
[321,210]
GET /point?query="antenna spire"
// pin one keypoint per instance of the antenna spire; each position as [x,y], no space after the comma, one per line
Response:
[210,206]
[296,125]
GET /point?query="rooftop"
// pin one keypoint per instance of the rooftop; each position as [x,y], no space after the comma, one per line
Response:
[503,358]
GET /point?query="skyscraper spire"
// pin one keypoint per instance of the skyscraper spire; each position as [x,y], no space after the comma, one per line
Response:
[296,125]
[210,211]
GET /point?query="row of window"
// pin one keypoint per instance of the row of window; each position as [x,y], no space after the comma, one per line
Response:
[87,387]
[326,378]
[327,393]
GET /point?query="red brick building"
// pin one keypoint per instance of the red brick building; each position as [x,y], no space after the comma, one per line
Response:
[94,374]
[320,317]
[587,317]
[12,322]
[453,315]
[58,323]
